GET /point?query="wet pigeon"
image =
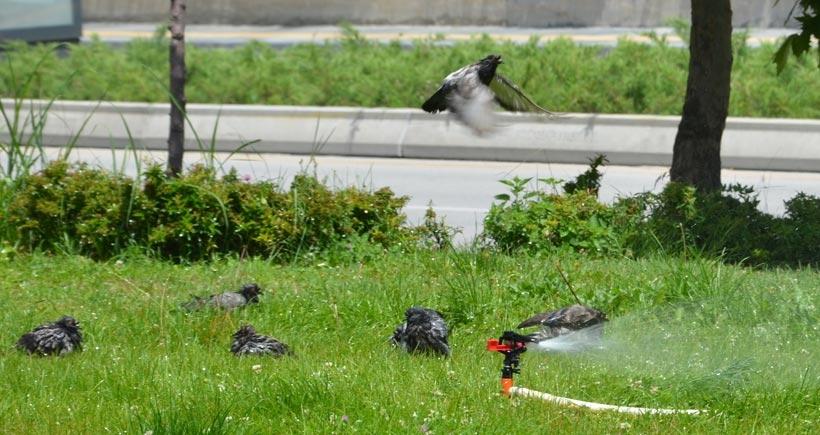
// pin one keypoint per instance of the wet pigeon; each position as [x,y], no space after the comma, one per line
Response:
[424,331]
[471,93]
[249,294]
[247,342]
[57,338]
[566,321]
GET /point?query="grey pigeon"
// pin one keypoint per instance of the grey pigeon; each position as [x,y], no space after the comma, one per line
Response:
[56,338]
[424,331]
[249,294]
[247,342]
[472,92]
[565,321]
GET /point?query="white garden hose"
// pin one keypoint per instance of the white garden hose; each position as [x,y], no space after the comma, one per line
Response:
[525,392]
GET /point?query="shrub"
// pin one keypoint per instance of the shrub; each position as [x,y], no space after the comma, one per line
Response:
[185,217]
[67,206]
[726,223]
[678,220]
[197,215]
[537,221]
[800,231]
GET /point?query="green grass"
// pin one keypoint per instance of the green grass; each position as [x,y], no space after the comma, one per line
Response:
[628,78]
[685,333]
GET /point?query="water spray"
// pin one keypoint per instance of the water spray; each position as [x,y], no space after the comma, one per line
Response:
[512,345]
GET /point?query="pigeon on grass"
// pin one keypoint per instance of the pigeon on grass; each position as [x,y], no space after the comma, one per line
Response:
[472,92]
[247,342]
[567,320]
[423,332]
[249,294]
[56,338]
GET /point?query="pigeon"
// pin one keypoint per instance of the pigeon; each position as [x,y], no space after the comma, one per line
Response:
[56,338]
[249,294]
[247,342]
[423,332]
[565,321]
[472,92]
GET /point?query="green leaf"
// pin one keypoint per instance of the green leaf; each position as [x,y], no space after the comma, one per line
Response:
[781,57]
[801,43]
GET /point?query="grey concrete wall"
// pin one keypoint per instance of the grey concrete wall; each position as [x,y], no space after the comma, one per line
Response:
[748,143]
[514,13]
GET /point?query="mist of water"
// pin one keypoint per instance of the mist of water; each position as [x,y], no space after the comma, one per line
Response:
[705,351]
[577,341]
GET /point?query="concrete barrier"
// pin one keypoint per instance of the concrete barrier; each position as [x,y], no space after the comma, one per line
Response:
[513,13]
[748,143]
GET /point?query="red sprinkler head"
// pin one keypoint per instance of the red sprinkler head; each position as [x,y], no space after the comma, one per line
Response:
[512,345]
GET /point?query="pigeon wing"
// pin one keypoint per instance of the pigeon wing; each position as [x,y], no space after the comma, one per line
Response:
[438,101]
[229,300]
[559,317]
[510,97]
[52,340]
[537,319]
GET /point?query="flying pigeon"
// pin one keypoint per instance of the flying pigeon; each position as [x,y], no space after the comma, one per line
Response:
[472,92]
[56,338]
[249,294]
[247,342]
[424,331]
[565,321]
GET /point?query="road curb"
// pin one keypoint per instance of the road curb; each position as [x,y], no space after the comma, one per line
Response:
[748,143]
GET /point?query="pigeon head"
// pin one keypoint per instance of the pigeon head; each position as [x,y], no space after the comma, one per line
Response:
[251,292]
[487,66]
[492,59]
[69,323]
[244,331]
[398,336]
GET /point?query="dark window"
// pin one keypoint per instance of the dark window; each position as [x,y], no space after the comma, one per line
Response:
[41,20]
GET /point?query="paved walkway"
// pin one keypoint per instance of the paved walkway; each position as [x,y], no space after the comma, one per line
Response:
[283,36]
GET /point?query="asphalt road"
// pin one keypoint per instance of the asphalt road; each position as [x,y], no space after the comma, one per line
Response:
[459,191]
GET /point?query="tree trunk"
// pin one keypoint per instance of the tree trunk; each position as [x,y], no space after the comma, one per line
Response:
[696,154]
[176,136]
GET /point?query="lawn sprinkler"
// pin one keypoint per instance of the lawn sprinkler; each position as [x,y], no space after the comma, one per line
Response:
[512,345]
